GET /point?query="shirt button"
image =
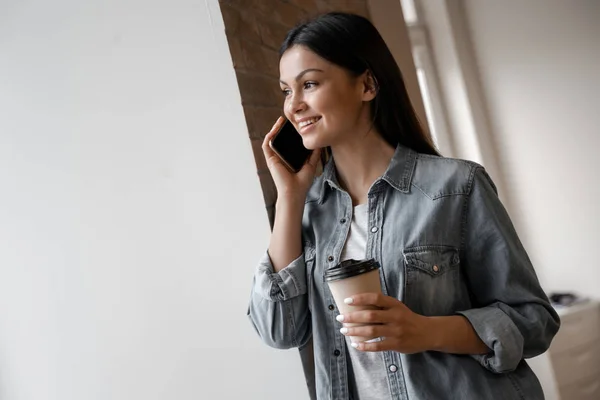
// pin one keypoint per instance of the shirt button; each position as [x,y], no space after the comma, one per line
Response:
[331,307]
[343,221]
[436,268]
[393,368]
[330,258]
[374,229]
[336,353]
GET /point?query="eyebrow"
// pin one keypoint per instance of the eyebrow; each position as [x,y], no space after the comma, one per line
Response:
[301,74]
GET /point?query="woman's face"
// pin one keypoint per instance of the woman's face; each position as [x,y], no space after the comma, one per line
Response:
[325,102]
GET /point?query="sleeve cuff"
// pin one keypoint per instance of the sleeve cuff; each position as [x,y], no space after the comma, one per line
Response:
[288,283]
[500,334]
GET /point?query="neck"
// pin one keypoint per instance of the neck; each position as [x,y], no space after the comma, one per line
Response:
[360,161]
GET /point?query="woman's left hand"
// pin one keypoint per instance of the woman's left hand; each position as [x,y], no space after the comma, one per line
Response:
[403,330]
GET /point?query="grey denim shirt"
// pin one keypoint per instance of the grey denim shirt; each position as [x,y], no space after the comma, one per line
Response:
[425,211]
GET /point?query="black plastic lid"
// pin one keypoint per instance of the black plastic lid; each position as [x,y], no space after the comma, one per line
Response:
[350,268]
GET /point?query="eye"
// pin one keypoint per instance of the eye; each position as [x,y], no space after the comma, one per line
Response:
[286,92]
[309,85]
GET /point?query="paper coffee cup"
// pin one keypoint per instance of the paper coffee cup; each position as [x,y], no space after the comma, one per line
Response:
[352,277]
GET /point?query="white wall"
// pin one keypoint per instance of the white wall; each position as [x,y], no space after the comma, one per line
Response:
[539,61]
[131,217]
[451,59]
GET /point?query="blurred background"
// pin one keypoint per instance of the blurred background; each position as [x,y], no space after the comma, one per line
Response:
[135,202]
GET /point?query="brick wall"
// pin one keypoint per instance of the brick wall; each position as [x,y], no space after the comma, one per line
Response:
[255,30]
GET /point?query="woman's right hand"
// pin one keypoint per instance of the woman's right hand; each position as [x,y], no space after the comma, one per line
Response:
[289,184]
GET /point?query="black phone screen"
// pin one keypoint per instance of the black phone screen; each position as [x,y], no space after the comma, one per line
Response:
[288,143]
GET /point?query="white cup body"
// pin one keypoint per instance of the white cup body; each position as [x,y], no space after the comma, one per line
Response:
[364,283]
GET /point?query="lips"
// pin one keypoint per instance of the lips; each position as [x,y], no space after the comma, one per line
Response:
[308,122]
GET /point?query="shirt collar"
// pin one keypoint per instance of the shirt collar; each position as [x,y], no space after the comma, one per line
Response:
[398,174]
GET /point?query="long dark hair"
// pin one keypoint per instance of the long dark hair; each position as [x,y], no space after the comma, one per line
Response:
[352,42]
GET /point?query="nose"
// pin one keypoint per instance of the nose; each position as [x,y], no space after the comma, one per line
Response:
[295,104]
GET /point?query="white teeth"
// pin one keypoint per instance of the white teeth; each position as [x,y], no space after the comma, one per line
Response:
[308,122]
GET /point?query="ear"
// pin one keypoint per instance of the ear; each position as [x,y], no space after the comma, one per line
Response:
[370,86]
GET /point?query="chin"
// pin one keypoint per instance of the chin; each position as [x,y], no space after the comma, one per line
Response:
[310,143]
[313,142]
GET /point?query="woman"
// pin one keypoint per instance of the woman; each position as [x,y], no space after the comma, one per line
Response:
[461,306]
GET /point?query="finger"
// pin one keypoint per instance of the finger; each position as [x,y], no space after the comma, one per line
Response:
[366,317]
[268,151]
[276,127]
[385,344]
[266,142]
[373,299]
[381,330]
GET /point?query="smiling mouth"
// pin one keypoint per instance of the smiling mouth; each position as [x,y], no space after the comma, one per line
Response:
[308,122]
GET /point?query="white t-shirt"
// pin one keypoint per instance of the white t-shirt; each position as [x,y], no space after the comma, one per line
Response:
[367,379]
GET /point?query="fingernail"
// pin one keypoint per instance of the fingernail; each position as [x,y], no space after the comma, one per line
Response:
[340,318]
[344,331]
[355,345]
[349,300]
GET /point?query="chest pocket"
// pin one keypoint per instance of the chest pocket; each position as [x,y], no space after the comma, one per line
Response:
[432,280]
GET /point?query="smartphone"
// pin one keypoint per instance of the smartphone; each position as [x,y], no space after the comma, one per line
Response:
[287,144]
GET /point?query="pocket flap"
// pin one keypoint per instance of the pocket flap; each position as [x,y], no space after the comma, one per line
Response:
[434,260]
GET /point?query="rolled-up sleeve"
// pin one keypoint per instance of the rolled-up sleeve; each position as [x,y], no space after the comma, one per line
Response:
[511,314]
[278,306]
